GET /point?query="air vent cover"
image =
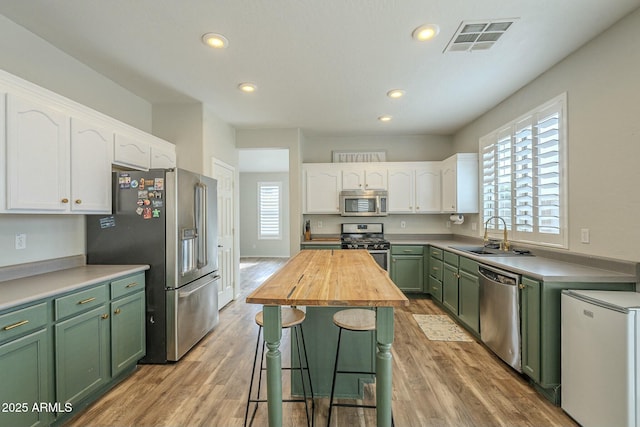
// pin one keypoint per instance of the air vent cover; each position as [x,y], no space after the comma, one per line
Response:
[478,35]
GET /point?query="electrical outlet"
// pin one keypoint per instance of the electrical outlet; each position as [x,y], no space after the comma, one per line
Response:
[474,226]
[319,224]
[403,224]
[584,235]
[21,241]
[448,224]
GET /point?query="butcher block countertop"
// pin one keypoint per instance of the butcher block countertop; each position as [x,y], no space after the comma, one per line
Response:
[330,278]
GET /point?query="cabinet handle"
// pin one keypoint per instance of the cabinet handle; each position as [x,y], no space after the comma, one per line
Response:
[406,250]
[417,208]
[116,311]
[84,301]
[131,285]
[435,268]
[105,316]
[521,286]
[78,201]
[65,200]
[15,325]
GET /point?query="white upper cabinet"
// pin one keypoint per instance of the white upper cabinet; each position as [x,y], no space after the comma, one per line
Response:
[131,151]
[91,156]
[322,185]
[37,156]
[460,183]
[363,177]
[414,187]
[163,158]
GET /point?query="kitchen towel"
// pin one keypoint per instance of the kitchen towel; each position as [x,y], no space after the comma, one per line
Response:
[438,327]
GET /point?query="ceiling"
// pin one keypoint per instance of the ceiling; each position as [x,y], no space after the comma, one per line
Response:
[324,66]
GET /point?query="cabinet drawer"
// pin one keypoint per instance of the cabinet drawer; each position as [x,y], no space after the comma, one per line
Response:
[435,252]
[80,301]
[127,285]
[435,289]
[407,250]
[22,321]
[451,258]
[469,265]
[435,268]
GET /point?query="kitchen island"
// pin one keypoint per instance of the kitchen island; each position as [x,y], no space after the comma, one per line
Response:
[329,278]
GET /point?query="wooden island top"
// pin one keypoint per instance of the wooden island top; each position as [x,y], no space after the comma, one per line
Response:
[330,278]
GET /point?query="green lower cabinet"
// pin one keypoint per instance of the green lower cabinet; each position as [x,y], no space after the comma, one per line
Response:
[25,377]
[450,287]
[469,300]
[82,354]
[127,332]
[540,329]
[407,267]
[435,289]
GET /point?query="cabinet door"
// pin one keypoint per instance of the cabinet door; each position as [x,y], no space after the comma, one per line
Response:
[25,376]
[162,159]
[469,301]
[449,185]
[435,288]
[450,288]
[401,191]
[82,354]
[322,190]
[407,272]
[353,179]
[375,179]
[127,332]
[427,190]
[37,156]
[530,328]
[91,156]
[133,152]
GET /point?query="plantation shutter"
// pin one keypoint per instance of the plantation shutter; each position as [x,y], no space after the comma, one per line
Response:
[269,210]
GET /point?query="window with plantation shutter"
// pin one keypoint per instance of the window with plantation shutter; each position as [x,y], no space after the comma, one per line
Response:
[522,176]
[269,226]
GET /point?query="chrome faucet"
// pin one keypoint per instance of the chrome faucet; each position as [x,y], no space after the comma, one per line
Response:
[504,245]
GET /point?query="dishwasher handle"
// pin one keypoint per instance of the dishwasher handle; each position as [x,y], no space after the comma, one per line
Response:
[498,276]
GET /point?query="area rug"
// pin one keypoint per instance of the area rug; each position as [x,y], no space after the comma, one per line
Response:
[441,328]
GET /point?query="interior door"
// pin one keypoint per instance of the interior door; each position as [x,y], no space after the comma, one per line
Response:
[225,174]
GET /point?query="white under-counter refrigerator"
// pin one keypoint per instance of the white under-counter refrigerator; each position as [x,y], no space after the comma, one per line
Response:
[601,357]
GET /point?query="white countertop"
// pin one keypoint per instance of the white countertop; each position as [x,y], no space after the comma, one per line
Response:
[27,289]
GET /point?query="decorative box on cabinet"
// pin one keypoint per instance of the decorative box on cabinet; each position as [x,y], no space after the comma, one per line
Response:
[25,366]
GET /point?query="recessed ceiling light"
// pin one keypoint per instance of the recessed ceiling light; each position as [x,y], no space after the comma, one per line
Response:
[248,87]
[395,93]
[216,41]
[385,118]
[425,32]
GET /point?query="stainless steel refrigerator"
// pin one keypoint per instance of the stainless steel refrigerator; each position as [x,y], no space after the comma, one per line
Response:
[167,219]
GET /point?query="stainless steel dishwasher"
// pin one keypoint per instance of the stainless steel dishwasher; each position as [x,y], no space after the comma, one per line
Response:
[500,314]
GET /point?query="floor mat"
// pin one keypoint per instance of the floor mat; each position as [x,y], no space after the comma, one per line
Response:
[438,327]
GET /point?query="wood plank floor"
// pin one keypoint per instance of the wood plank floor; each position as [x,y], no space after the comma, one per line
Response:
[434,383]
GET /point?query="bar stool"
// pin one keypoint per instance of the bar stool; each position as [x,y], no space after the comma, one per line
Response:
[357,320]
[292,318]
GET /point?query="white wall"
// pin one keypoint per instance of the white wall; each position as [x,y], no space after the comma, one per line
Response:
[250,244]
[317,149]
[603,92]
[27,56]
[292,140]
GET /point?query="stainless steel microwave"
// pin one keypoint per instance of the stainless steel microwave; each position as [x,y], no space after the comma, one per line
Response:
[363,203]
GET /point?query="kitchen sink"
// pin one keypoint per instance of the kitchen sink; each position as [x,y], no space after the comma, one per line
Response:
[485,251]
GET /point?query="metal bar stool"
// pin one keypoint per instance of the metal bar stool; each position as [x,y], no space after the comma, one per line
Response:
[358,320]
[292,318]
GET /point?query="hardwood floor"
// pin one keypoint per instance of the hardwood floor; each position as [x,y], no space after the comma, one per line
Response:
[434,383]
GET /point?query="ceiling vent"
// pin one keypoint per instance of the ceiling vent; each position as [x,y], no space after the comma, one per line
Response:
[475,36]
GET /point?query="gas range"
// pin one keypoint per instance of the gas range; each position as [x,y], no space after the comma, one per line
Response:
[364,236]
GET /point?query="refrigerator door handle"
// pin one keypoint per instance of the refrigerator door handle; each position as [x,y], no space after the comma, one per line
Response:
[201,224]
